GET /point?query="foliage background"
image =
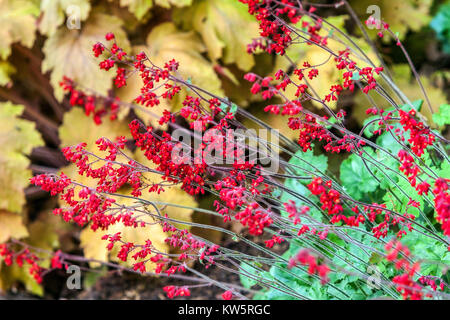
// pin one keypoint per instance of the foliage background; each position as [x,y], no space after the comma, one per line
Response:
[207,37]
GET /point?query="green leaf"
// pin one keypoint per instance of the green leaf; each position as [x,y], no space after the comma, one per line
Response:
[11,226]
[444,172]
[226,108]
[387,141]
[304,161]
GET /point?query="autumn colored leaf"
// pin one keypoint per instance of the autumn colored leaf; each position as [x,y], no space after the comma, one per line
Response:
[140,7]
[165,42]
[400,15]
[17,24]
[42,233]
[54,13]
[226,29]
[91,242]
[6,70]
[69,53]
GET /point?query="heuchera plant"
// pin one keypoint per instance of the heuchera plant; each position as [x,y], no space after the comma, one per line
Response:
[379,228]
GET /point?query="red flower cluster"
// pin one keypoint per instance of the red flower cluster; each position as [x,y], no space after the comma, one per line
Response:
[255,218]
[160,150]
[328,197]
[442,204]
[309,130]
[304,258]
[271,242]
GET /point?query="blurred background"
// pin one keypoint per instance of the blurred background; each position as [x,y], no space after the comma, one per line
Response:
[42,41]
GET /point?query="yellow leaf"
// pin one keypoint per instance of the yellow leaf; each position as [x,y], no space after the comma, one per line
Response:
[54,13]
[17,138]
[165,42]
[406,82]
[69,53]
[279,122]
[177,3]
[328,73]
[17,24]
[71,134]
[93,246]
[11,226]
[226,28]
